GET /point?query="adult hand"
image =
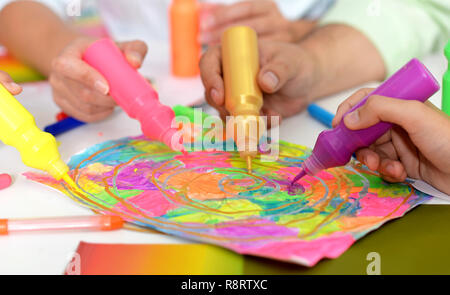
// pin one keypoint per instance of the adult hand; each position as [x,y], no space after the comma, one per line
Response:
[287,74]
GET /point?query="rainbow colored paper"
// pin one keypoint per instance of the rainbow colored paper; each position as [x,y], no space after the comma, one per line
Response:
[154,259]
[210,197]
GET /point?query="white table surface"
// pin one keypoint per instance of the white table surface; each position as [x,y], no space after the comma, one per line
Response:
[49,253]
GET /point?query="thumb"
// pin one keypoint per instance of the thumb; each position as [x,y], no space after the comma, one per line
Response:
[406,113]
[275,74]
[134,51]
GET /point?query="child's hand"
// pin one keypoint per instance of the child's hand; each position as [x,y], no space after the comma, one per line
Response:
[9,84]
[418,146]
[81,91]
[287,74]
[262,15]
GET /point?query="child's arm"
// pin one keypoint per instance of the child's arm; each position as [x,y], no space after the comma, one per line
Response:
[418,146]
[37,36]
[263,16]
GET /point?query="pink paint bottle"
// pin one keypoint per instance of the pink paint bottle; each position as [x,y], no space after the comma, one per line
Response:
[335,147]
[132,92]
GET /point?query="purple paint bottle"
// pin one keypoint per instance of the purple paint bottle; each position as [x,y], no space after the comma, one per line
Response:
[335,147]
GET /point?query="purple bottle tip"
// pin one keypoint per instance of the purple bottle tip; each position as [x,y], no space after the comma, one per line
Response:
[298,177]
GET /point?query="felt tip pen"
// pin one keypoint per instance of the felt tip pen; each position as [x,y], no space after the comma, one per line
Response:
[321,115]
[63,126]
[96,222]
[335,147]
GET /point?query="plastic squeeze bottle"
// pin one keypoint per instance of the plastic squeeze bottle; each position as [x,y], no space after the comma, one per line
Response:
[38,149]
[243,97]
[184,32]
[132,92]
[335,147]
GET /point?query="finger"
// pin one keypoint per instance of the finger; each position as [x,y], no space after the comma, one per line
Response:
[242,10]
[76,69]
[77,113]
[392,171]
[262,25]
[405,113]
[134,51]
[284,106]
[276,72]
[368,158]
[65,96]
[207,12]
[9,84]
[211,74]
[273,117]
[84,94]
[349,103]
[407,151]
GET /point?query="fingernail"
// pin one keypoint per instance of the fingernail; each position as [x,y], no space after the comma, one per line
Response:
[215,96]
[270,80]
[135,57]
[101,87]
[13,85]
[353,117]
[390,168]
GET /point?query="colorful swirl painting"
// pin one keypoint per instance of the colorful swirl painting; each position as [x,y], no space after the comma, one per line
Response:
[210,197]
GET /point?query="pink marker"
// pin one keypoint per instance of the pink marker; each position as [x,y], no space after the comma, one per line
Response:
[335,147]
[96,222]
[5,181]
[132,92]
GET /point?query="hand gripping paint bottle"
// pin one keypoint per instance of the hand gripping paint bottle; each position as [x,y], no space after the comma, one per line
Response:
[184,32]
[132,92]
[335,147]
[38,149]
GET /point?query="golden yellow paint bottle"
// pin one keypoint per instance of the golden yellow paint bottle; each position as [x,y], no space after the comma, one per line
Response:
[38,149]
[243,97]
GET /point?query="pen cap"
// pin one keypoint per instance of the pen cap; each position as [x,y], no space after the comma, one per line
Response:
[18,129]
[132,92]
[335,147]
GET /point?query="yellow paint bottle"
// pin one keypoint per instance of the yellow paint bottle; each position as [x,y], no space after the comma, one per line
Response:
[243,97]
[38,149]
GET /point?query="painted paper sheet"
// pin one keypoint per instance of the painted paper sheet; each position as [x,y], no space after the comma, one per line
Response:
[210,197]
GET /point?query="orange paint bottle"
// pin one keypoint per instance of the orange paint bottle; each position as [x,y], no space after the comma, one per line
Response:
[184,31]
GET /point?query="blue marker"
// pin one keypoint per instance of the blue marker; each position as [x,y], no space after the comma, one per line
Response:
[63,126]
[321,115]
